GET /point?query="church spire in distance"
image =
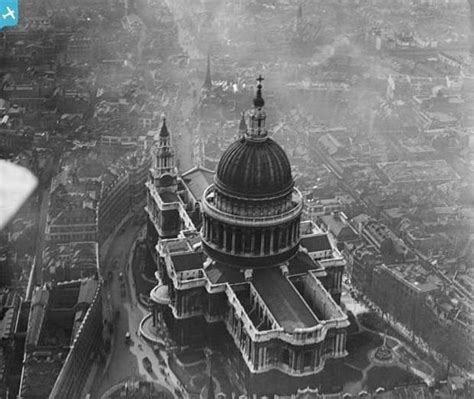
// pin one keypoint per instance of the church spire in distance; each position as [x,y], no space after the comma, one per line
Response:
[207,80]
[242,125]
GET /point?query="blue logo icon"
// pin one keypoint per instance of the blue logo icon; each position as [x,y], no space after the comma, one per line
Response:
[8,13]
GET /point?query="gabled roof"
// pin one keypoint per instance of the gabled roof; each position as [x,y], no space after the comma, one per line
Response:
[282,299]
[302,263]
[87,291]
[187,261]
[85,215]
[39,303]
[336,225]
[168,197]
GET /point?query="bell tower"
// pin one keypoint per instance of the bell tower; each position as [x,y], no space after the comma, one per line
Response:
[163,155]
[162,186]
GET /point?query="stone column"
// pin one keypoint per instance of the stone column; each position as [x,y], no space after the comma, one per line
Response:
[252,244]
[233,241]
[252,353]
[272,236]
[204,226]
[210,229]
[225,238]
[262,243]
[247,346]
[230,316]
[217,232]
[276,240]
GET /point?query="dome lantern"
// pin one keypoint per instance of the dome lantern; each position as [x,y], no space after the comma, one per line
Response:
[257,115]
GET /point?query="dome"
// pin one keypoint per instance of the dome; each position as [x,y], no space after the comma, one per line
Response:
[254,169]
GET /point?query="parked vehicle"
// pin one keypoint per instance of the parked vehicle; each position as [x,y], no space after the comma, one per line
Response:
[147,364]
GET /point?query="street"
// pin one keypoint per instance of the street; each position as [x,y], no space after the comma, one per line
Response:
[42,218]
[126,359]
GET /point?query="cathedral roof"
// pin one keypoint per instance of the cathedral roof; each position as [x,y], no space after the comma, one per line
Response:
[197,180]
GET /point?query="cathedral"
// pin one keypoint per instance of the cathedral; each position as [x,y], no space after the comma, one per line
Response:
[253,269]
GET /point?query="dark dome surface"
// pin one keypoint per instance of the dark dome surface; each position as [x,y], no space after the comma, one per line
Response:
[254,169]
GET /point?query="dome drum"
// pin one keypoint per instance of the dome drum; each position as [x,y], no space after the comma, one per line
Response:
[251,245]
[239,214]
[250,261]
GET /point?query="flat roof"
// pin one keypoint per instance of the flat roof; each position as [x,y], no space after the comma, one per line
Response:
[282,299]
[177,245]
[415,275]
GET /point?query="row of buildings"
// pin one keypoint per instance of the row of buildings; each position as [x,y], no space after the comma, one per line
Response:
[64,86]
[89,198]
[405,286]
